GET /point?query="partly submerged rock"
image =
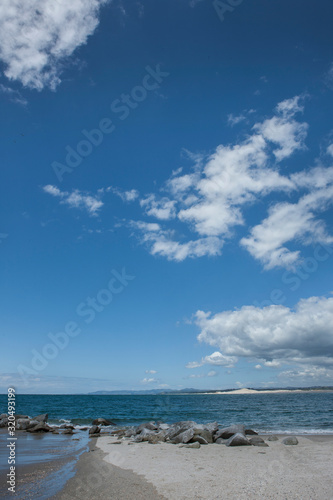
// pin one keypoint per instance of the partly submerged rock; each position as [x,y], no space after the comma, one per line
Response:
[94,429]
[41,427]
[238,439]
[41,418]
[102,421]
[22,424]
[291,440]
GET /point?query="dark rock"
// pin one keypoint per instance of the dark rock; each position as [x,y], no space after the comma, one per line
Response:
[55,432]
[238,439]
[156,437]
[257,441]
[291,440]
[220,441]
[102,421]
[3,415]
[144,435]
[272,438]
[198,439]
[22,424]
[84,429]
[250,432]
[148,425]
[96,435]
[212,427]
[67,426]
[94,429]
[205,434]
[3,422]
[41,427]
[23,416]
[184,437]
[41,418]
[227,432]
[68,431]
[178,428]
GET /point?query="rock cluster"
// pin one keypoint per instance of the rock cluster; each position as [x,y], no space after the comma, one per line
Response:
[190,434]
[187,433]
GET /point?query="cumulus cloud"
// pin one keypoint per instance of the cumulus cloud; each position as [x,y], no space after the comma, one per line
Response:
[211,199]
[37,36]
[289,221]
[216,359]
[76,199]
[273,335]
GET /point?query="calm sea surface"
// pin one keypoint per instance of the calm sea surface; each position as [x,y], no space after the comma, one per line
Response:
[284,412]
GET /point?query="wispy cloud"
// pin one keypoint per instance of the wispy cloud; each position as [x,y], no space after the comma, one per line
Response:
[76,199]
[13,95]
[37,36]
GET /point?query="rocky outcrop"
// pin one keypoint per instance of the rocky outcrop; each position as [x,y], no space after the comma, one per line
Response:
[257,441]
[228,432]
[22,424]
[41,427]
[41,418]
[94,429]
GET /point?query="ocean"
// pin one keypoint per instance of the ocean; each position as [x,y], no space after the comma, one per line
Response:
[301,413]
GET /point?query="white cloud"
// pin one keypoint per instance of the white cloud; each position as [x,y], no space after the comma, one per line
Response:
[150,380]
[235,119]
[258,367]
[163,209]
[152,372]
[212,373]
[308,375]
[76,199]
[37,36]
[283,130]
[274,335]
[126,196]
[289,221]
[215,359]
[330,149]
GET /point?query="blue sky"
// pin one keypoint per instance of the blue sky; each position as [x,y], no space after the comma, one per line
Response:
[166,186]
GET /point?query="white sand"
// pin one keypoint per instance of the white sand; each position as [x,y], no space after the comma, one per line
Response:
[253,391]
[214,471]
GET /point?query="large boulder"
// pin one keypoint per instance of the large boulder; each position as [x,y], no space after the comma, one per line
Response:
[41,418]
[184,437]
[227,432]
[102,421]
[22,424]
[178,428]
[212,427]
[238,439]
[291,440]
[155,438]
[94,429]
[272,438]
[3,415]
[257,441]
[204,434]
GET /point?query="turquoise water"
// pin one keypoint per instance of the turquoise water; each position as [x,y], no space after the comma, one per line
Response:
[285,412]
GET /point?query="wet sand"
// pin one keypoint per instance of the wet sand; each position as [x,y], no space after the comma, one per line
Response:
[98,480]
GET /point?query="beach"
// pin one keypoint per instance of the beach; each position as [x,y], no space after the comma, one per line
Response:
[165,471]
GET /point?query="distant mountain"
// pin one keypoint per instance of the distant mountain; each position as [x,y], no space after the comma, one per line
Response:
[190,390]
